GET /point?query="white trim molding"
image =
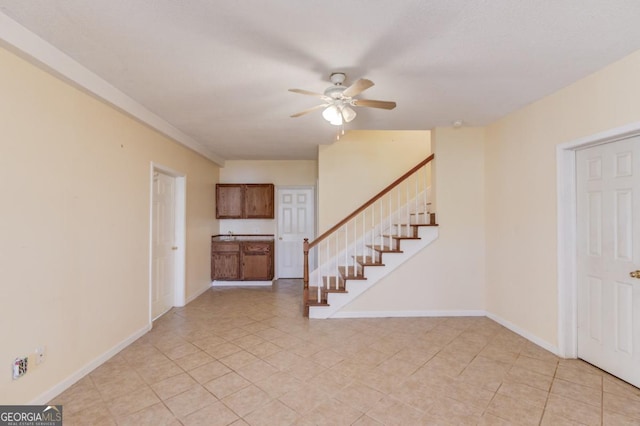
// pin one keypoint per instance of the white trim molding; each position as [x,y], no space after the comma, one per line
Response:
[529,336]
[567,239]
[88,368]
[197,294]
[216,283]
[34,49]
[408,314]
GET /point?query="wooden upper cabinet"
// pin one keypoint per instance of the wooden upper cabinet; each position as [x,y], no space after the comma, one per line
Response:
[229,200]
[258,201]
[244,201]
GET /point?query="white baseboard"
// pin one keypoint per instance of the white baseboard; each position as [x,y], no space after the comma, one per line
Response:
[196,295]
[530,337]
[241,283]
[88,368]
[404,314]
[456,313]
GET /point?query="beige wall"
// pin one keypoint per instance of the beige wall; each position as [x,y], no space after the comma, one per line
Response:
[448,275]
[360,164]
[74,235]
[277,172]
[521,190]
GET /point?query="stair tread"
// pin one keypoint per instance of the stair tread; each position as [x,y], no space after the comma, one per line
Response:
[384,249]
[367,261]
[330,284]
[313,296]
[401,237]
[350,273]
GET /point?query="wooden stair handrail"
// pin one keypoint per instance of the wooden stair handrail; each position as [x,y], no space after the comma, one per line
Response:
[368,203]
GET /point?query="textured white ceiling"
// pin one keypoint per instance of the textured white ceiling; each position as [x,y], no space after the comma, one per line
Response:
[219,70]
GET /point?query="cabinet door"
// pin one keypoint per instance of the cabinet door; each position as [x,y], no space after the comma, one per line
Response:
[225,261]
[229,201]
[225,266]
[258,201]
[257,261]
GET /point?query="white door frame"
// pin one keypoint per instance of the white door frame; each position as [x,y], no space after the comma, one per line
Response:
[566,232]
[314,210]
[179,278]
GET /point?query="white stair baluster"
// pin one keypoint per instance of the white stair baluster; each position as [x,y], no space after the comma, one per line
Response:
[390,219]
[373,225]
[346,245]
[391,211]
[417,195]
[327,266]
[426,199]
[335,257]
[355,245]
[408,210]
[398,227]
[381,219]
[364,230]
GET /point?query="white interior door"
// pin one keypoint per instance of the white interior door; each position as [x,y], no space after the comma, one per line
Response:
[608,235]
[163,243]
[296,221]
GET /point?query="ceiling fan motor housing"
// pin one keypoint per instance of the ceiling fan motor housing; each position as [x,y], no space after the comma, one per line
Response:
[335,91]
[338,78]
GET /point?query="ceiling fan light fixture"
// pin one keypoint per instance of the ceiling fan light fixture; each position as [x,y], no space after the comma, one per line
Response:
[348,113]
[333,115]
[337,121]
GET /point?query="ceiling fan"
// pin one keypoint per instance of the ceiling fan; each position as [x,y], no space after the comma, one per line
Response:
[339,99]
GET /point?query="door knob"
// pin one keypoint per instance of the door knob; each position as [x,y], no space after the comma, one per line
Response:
[634,274]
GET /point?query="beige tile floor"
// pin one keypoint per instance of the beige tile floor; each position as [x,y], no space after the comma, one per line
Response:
[246,356]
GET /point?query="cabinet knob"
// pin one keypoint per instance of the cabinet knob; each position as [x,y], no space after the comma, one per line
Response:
[280,238]
[174,248]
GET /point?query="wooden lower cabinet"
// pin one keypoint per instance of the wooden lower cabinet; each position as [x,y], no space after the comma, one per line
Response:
[242,261]
[257,261]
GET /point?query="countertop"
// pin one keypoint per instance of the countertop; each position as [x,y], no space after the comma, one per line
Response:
[243,237]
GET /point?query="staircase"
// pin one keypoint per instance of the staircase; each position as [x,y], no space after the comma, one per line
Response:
[370,243]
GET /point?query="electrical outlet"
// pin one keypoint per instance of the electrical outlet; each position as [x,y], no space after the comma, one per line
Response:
[20,367]
[41,354]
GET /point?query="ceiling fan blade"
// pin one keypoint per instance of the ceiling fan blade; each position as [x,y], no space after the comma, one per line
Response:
[306,111]
[374,104]
[306,92]
[357,87]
